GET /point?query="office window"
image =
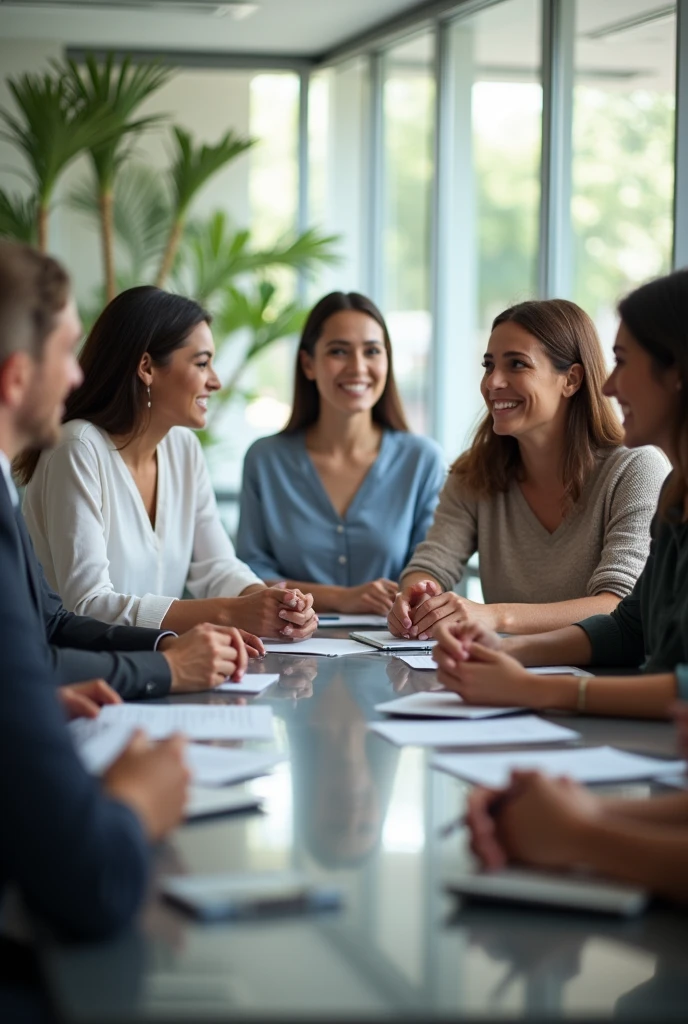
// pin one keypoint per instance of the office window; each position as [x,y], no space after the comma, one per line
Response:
[623,144]
[408,134]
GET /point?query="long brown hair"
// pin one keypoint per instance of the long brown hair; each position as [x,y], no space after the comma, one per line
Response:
[568,336]
[656,314]
[387,411]
[112,395]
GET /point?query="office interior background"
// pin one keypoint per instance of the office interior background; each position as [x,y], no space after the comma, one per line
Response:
[467,155]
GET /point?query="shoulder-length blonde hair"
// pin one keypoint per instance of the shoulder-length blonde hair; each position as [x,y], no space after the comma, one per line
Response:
[568,336]
[387,411]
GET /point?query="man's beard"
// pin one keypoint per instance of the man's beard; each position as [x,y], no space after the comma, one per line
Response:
[40,429]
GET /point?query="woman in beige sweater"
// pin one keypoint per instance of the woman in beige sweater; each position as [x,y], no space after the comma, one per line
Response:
[557,509]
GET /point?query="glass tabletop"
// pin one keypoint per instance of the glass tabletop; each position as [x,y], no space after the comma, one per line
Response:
[352,811]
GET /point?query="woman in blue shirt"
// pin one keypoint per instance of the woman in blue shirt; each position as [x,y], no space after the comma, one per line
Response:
[343,494]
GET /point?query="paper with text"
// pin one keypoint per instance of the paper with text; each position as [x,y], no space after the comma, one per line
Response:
[197,721]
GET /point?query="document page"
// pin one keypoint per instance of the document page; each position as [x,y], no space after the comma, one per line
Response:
[489,732]
[439,704]
[326,648]
[197,721]
[585,764]
[424,662]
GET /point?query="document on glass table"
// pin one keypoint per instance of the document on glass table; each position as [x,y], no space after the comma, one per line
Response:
[584,764]
[424,662]
[332,620]
[323,646]
[439,704]
[197,721]
[253,682]
[490,732]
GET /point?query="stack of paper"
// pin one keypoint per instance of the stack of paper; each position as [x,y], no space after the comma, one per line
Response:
[490,732]
[439,704]
[326,648]
[585,764]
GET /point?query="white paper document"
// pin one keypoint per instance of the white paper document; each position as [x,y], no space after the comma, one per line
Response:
[197,721]
[420,662]
[585,764]
[557,670]
[489,732]
[223,766]
[98,743]
[203,803]
[326,648]
[439,704]
[332,620]
[253,682]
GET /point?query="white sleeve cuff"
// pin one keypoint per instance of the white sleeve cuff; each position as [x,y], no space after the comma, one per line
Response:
[152,610]
[168,632]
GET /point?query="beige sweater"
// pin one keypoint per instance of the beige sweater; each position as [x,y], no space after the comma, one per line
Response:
[601,545]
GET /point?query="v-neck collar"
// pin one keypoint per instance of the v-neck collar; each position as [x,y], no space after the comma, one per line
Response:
[365,484]
[156,530]
[535,522]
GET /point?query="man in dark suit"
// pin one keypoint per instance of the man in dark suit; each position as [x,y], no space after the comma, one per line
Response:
[75,847]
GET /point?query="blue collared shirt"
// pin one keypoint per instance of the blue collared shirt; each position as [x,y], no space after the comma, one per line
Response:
[288,528]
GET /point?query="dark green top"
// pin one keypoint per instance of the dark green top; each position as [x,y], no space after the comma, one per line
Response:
[649,628]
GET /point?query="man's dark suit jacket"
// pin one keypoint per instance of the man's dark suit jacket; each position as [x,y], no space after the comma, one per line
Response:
[79,858]
[83,648]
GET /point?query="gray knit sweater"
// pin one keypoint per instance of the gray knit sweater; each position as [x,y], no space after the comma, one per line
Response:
[601,545]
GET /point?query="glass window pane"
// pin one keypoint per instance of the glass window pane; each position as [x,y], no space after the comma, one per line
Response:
[409,120]
[623,143]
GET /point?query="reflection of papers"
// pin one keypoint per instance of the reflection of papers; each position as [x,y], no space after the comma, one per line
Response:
[197,721]
[438,704]
[326,648]
[253,682]
[585,764]
[487,733]
[419,661]
[218,766]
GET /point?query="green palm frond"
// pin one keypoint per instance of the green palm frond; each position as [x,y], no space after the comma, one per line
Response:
[142,217]
[213,252]
[194,165]
[119,90]
[18,217]
[49,129]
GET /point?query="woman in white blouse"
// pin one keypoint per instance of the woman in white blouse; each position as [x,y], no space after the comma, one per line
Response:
[122,513]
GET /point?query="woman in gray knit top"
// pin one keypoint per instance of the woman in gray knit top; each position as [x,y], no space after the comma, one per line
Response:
[557,509]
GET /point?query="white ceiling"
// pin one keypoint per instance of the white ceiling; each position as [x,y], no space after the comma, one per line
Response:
[304,27]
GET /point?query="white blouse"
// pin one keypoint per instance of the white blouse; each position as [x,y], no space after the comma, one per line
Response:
[98,548]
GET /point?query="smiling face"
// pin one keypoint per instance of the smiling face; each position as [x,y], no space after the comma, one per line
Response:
[181,389]
[649,398]
[349,364]
[522,390]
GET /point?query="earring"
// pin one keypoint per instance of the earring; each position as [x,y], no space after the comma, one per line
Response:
[149,398]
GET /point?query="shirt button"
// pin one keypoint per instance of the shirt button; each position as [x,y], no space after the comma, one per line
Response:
[342,559]
[150,687]
[340,528]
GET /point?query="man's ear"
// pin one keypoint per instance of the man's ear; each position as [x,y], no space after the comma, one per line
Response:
[145,369]
[574,379]
[307,364]
[16,374]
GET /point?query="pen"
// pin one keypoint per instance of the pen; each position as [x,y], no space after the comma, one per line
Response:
[457,823]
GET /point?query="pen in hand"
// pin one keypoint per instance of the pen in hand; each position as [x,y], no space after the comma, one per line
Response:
[457,823]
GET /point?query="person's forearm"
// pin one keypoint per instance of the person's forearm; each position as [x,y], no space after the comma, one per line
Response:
[326,598]
[539,618]
[184,615]
[671,809]
[415,577]
[652,856]
[568,646]
[622,696]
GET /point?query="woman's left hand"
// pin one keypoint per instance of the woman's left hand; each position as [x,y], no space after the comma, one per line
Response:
[487,676]
[449,607]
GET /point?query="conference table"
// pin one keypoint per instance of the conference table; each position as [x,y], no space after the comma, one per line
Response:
[352,811]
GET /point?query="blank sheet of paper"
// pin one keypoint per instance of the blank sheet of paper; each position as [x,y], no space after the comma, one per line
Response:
[585,764]
[419,661]
[253,682]
[424,662]
[439,704]
[489,732]
[197,721]
[326,648]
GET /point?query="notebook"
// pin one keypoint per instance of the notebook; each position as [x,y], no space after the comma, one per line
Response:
[386,641]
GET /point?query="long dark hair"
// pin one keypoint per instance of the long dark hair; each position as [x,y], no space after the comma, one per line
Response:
[656,314]
[387,411]
[112,395]
[568,336]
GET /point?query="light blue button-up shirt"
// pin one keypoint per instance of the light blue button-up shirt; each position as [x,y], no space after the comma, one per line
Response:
[288,528]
